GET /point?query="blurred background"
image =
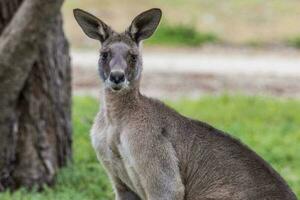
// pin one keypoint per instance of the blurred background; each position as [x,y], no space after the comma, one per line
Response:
[203,46]
[234,64]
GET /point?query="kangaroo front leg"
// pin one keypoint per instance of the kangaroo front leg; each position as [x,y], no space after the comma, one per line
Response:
[126,195]
[122,191]
[154,160]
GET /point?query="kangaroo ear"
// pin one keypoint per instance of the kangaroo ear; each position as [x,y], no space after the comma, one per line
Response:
[144,25]
[92,26]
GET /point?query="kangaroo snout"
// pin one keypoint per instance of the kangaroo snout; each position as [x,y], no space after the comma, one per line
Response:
[117,77]
[117,80]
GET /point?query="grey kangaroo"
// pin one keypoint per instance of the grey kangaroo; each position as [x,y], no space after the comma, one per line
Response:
[150,151]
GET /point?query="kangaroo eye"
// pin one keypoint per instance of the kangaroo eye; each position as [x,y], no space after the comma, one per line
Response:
[104,56]
[133,58]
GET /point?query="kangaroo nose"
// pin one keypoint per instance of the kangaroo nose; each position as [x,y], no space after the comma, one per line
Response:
[117,77]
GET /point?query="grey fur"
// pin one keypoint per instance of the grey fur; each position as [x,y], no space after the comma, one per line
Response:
[151,152]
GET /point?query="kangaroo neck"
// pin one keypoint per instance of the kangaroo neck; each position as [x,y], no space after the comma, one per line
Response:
[119,105]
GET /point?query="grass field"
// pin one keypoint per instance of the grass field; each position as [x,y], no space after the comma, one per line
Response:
[181,35]
[270,126]
[294,41]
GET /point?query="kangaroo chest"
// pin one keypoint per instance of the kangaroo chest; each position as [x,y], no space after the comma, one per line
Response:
[114,155]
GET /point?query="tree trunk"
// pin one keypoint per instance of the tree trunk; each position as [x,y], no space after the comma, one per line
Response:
[35,90]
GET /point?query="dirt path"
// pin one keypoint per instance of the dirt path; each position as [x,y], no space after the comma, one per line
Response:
[194,72]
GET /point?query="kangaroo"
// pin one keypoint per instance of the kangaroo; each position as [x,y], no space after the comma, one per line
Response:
[151,152]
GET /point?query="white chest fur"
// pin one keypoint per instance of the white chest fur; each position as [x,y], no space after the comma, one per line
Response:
[112,149]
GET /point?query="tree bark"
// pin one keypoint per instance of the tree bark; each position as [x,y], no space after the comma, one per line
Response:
[35,90]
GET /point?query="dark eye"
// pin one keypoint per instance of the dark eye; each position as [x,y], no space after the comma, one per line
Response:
[104,56]
[133,58]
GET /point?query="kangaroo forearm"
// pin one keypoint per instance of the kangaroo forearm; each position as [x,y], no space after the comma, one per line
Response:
[175,195]
[160,178]
[169,191]
[122,191]
[128,195]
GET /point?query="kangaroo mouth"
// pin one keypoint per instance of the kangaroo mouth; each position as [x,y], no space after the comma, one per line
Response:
[116,87]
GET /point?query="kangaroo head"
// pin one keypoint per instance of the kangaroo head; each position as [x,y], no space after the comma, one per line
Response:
[120,61]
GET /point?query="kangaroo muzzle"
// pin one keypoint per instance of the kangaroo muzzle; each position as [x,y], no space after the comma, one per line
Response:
[117,77]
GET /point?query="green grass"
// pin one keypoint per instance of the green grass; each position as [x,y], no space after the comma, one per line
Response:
[181,35]
[294,42]
[269,126]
